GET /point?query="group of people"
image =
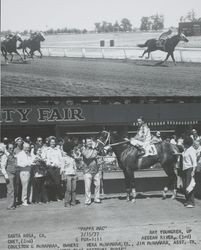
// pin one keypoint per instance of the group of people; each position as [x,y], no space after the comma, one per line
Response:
[42,172]
[47,171]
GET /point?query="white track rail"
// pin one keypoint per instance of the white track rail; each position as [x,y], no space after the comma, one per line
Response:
[181,54]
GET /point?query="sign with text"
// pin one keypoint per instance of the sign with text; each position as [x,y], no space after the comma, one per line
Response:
[93,114]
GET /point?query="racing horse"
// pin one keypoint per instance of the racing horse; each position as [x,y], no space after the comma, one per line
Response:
[10,46]
[130,160]
[169,46]
[33,44]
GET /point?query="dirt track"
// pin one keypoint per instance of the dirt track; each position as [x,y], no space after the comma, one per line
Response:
[96,77]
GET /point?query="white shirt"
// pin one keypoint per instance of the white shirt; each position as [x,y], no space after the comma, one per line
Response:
[24,159]
[69,166]
[172,141]
[53,157]
[189,158]
[3,163]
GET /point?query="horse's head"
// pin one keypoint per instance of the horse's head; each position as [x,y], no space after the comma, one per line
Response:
[104,138]
[182,37]
[41,36]
[18,37]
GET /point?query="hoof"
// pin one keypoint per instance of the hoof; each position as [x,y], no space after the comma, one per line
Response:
[133,200]
[128,199]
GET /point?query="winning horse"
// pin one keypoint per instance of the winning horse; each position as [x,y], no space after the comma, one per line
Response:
[129,160]
[169,46]
[33,43]
[10,46]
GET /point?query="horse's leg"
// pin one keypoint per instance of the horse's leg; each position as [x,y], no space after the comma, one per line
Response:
[134,194]
[132,184]
[23,51]
[148,55]
[41,55]
[172,55]
[11,59]
[146,51]
[166,58]
[19,55]
[6,58]
[127,182]
[172,183]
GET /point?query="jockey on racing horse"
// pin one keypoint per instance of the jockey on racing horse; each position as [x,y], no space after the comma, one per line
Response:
[143,139]
[162,39]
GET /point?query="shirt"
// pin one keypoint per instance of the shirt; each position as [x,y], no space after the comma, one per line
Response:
[90,160]
[143,134]
[24,159]
[69,165]
[53,157]
[11,164]
[3,163]
[172,141]
[189,158]
[17,150]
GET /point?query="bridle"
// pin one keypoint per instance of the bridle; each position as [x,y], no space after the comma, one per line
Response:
[104,143]
[108,139]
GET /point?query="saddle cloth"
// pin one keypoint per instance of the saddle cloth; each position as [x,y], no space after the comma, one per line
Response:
[150,149]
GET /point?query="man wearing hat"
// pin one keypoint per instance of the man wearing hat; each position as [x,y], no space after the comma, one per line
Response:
[24,163]
[195,135]
[143,138]
[18,145]
[91,172]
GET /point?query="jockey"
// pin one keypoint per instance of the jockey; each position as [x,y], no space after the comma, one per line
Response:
[143,138]
[9,36]
[33,35]
[162,38]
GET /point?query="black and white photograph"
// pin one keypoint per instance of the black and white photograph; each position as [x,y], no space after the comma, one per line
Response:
[100,143]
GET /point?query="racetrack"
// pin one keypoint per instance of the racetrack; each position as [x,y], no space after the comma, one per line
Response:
[54,76]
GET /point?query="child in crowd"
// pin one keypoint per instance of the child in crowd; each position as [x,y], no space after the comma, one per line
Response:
[69,177]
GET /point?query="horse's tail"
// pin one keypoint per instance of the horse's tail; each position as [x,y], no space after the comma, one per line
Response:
[143,45]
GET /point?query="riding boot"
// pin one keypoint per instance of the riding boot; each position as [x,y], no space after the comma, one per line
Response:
[141,152]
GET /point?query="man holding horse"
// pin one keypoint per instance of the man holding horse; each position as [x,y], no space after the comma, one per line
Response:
[91,171]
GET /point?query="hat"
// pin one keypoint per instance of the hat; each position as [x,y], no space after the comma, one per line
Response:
[17,139]
[88,141]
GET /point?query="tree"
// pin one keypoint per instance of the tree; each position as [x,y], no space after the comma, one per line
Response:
[191,16]
[157,22]
[145,23]
[98,27]
[116,26]
[126,24]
